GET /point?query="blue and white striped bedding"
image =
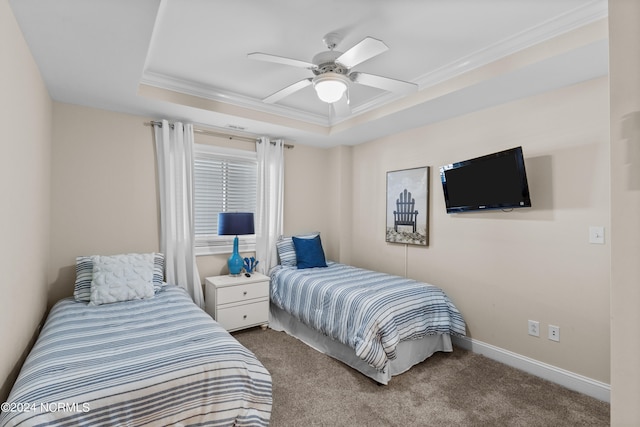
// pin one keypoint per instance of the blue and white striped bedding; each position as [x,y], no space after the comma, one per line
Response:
[368,311]
[154,362]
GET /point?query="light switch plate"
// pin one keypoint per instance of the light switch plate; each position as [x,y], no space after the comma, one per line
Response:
[596,235]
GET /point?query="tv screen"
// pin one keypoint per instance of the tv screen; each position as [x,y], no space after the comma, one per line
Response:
[494,181]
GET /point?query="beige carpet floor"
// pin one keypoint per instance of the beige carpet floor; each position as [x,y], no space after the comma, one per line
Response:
[448,389]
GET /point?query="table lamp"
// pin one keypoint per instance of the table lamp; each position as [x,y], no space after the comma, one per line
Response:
[235,223]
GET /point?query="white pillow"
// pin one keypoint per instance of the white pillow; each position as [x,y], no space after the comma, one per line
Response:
[84,276]
[119,278]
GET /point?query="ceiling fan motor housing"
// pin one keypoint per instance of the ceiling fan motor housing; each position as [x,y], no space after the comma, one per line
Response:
[325,62]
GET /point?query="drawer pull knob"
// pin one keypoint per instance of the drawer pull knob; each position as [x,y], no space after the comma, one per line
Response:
[244,293]
[244,317]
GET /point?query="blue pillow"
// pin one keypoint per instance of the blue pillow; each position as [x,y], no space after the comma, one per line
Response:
[286,250]
[309,252]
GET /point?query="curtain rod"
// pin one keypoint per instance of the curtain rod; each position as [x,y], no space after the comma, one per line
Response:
[213,133]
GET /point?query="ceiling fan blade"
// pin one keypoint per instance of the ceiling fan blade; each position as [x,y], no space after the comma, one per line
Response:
[366,49]
[341,108]
[282,93]
[281,60]
[384,83]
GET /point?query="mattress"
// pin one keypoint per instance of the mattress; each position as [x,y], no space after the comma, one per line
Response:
[152,362]
[368,311]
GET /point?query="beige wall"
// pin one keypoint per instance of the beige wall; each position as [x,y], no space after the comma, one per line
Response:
[308,194]
[624,48]
[340,206]
[504,268]
[25,109]
[103,189]
[104,192]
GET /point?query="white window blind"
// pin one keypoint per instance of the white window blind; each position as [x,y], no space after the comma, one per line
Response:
[225,180]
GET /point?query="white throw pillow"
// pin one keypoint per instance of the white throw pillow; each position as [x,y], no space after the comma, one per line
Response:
[119,278]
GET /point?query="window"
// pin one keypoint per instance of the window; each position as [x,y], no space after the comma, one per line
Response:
[225,180]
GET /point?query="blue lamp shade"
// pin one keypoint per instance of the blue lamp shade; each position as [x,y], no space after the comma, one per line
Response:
[235,224]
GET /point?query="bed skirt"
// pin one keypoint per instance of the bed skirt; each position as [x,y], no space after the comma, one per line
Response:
[408,353]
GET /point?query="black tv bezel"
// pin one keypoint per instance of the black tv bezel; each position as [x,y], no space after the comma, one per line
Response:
[515,152]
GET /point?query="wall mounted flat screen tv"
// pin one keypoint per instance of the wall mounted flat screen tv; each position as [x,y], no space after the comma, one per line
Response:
[494,181]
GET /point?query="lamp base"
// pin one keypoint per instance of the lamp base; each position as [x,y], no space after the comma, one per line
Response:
[235,261]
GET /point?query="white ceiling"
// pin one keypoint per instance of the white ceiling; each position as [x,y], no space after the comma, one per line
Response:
[187,59]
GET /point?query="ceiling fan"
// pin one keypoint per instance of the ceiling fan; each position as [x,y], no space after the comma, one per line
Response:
[332,70]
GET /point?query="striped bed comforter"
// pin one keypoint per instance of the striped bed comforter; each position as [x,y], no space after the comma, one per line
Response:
[156,362]
[368,311]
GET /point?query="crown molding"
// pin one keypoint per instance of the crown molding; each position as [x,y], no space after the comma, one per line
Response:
[187,87]
[571,20]
[561,24]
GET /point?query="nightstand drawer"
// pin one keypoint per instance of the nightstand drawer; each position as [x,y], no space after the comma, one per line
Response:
[243,316]
[239,293]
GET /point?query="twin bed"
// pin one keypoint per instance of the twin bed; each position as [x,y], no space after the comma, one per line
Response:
[157,361]
[161,360]
[379,324]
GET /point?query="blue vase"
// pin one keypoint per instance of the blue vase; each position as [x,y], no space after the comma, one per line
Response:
[235,261]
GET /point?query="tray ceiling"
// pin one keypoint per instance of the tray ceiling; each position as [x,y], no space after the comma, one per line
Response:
[187,59]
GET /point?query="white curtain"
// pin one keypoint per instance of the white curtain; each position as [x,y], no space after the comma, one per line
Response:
[174,154]
[270,201]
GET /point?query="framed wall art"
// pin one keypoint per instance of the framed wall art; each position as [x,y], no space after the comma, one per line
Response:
[408,206]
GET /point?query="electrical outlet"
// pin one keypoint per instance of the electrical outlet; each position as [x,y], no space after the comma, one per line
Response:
[534,328]
[554,333]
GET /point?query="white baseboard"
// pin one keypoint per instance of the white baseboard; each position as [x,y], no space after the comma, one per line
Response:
[570,380]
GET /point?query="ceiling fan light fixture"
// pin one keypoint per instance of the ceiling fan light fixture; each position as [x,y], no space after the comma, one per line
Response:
[330,87]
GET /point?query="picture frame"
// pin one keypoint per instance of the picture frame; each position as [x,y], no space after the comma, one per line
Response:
[407,219]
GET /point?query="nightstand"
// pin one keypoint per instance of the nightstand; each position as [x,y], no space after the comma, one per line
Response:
[238,302]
